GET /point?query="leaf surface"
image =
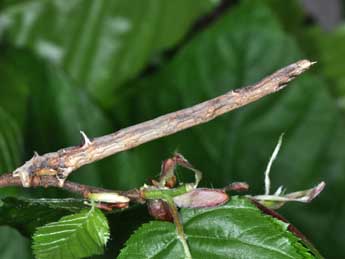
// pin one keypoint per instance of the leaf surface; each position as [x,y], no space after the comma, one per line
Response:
[106,42]
[27,214]
[14,88]
[235,230]
[74,236]
[13,245]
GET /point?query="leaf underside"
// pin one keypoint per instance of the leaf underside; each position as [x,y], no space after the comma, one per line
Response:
[27,214]
[236,230]
[74,236]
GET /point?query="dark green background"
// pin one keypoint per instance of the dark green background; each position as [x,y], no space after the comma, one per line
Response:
[99,66]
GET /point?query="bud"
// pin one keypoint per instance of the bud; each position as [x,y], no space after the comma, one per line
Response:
[109,197]
[167,177]
[237,187]
[159,209]
[201,198]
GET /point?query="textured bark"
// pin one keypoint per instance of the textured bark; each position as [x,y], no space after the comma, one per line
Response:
[65,161]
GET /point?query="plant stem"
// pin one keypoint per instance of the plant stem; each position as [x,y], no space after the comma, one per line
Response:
[157,194]
[179,227]
[167,195]
[7,180]
[63,162]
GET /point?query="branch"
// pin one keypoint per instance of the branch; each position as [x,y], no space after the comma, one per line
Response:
[7,180]
[65,161]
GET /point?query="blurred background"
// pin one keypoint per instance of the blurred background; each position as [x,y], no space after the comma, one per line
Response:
[99,66]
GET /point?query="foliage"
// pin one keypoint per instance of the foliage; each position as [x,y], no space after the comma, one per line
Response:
[28,214]
[99,66]
[238,228]
[19,247]
[72,237]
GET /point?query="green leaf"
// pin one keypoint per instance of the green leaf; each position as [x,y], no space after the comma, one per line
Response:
[10,142]
[74,236]
[17,74]
[329,46]
[106,42]
[13,245]
[13,101]
[13,104]
[229,231]
[27,214]
[290,15]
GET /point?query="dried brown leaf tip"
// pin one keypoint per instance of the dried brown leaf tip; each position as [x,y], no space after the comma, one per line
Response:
[279,198]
